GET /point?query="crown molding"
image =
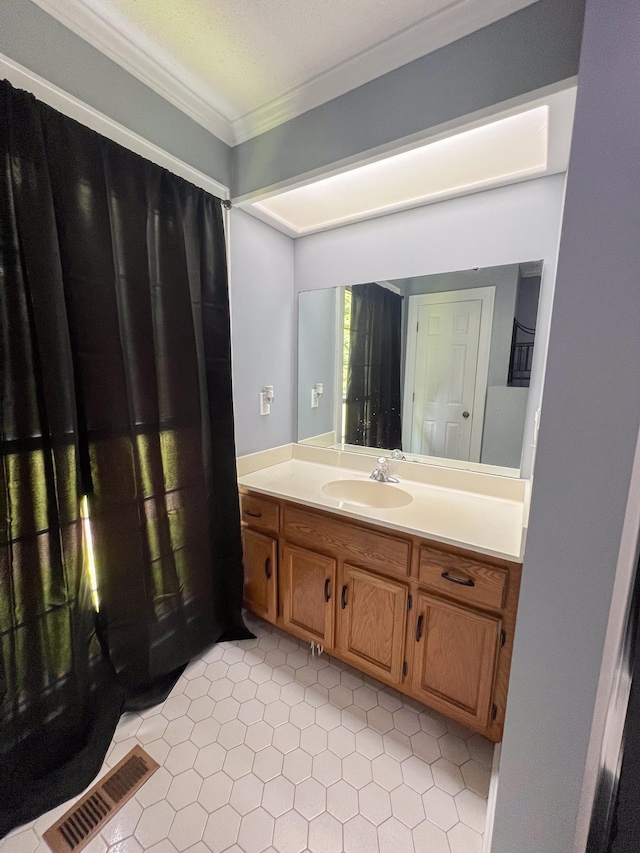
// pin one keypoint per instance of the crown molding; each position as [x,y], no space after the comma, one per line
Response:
[145,64]
[559,97]
[456,20]
[54,96]
[146,61]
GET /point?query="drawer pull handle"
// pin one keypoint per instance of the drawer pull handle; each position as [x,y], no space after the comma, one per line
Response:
[327,594]
[461,581]
[253,514]
[267,568]
[343,597]
[419,625]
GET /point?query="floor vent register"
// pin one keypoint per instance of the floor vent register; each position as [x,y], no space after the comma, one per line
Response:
[84,820]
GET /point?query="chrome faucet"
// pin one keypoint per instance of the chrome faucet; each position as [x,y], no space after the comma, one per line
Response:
[381,473]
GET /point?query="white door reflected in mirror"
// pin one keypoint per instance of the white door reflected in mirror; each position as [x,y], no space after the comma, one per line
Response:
[437,366]
[447,365]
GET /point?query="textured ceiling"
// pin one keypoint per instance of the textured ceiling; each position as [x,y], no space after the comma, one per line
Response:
[250,51]
[273,57]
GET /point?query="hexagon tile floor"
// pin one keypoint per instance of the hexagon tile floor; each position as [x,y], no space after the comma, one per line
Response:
[265,748]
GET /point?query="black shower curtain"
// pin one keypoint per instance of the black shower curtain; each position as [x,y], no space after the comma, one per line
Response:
[116,383]
[373,399]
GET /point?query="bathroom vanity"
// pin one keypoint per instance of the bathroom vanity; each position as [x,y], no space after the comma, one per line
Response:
[421,595]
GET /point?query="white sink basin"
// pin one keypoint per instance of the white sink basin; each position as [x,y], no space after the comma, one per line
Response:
[367,493]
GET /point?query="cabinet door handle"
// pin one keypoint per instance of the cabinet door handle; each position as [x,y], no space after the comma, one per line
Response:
[343,597]
[327,594]
[253,514]
[419,624]
[461,581]
[267,568]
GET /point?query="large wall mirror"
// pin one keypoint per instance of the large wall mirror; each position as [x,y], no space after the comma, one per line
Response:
[437,367]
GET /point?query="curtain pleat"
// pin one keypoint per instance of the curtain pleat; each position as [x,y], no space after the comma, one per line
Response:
[51,667]
[116,384]
[373,399]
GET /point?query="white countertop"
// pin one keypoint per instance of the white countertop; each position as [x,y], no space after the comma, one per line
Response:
[487,524]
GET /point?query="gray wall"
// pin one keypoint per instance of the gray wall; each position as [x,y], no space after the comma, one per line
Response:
[504,424]
[588,434]
[502,226]
[262,331]
[316,361]
[40,43]
[527,300]
[535,47]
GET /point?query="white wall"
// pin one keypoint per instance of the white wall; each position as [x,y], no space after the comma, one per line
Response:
[262,331]
[502,226]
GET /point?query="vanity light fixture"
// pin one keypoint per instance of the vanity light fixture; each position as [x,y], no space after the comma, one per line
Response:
[496,153]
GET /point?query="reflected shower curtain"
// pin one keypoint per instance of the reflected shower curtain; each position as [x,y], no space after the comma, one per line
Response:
[116,383]
[373,399]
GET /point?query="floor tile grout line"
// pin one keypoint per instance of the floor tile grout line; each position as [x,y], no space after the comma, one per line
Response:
[400,732]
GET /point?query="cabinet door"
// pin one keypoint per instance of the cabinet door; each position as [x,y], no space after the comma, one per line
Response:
[371,623]
[454,662]
[307,585]
[260,587]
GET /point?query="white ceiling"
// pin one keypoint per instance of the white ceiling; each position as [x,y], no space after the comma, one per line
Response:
[240,67]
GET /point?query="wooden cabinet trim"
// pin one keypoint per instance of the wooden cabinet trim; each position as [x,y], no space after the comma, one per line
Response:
[359,544]
[259,512]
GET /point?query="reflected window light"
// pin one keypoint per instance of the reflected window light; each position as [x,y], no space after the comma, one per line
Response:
[88,552]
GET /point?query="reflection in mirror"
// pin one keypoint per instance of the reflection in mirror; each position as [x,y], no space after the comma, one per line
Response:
[435,366]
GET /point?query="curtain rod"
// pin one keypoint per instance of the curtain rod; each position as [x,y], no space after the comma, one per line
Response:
[74,108]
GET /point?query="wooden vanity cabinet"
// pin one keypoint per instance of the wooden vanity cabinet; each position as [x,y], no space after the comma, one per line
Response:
[455,657]
[260,585]
[432,620]
[371,623]
[307,584]
[260,517]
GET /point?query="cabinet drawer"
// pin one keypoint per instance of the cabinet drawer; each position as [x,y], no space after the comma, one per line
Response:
[462,578]
[358,545]
[260,513]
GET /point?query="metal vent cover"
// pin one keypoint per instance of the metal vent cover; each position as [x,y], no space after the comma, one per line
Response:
[77,827]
